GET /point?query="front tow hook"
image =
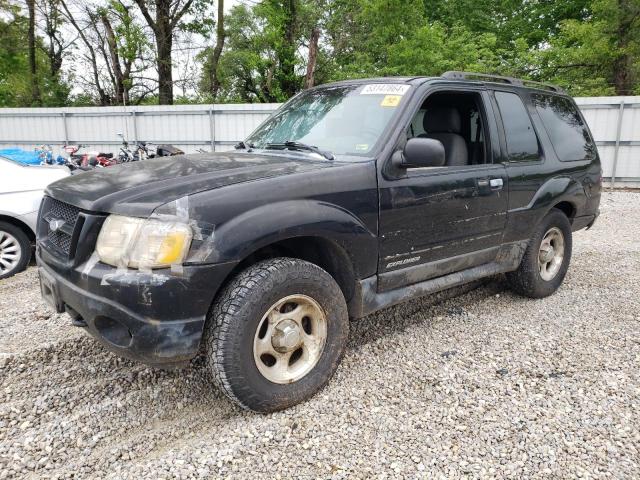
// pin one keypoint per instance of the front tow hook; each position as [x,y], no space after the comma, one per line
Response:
[76,318]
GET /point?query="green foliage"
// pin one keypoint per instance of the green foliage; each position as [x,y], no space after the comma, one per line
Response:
[589,57]
[399,39]
[201,21]
[575,43]
[15,89]
[258,65]
[591,47]
[131,38]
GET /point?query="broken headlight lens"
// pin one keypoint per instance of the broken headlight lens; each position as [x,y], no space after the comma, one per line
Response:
[143,243]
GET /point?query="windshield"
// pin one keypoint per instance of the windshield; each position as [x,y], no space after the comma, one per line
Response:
[343,120]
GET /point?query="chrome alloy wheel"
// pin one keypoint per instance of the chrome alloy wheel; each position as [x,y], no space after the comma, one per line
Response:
[290,339]
[10,253]
[551,253]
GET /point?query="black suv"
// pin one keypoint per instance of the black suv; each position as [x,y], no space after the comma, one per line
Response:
[352,197]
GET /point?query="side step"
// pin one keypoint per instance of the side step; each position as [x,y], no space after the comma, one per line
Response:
[368,300]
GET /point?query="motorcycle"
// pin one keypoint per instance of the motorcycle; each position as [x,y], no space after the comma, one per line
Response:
[87,160]
[145,150]
[74,160]
[125,154]
[84,161]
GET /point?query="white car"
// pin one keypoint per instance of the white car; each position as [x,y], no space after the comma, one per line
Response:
[21,189]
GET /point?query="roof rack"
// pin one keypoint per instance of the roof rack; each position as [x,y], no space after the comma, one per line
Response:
[455,75]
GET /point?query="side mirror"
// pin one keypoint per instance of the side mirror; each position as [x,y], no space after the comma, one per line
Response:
[422,152]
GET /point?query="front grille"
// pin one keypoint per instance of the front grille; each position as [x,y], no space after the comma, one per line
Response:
[61,240]
[61,236]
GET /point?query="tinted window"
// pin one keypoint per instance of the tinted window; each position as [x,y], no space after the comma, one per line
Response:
[568,133]
[522,143]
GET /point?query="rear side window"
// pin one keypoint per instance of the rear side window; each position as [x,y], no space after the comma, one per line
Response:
[522,142]
[568,133]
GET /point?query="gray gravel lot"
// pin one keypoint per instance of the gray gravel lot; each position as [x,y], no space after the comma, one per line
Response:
[485,384]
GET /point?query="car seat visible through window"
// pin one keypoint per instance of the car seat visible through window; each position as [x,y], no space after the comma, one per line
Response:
[444,124]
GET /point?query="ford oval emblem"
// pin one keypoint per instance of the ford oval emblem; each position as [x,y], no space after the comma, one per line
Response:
[55,224]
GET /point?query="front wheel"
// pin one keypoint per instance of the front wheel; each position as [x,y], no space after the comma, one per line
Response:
[15,250]
[276,334]
[546,260]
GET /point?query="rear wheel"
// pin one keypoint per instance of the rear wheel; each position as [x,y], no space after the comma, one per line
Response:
[276,334]
[546,260]
[15,250]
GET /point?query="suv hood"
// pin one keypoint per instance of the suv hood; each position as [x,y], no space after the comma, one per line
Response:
[138,188]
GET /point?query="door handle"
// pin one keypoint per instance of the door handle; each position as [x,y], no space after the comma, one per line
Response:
[489,184]
[496,183]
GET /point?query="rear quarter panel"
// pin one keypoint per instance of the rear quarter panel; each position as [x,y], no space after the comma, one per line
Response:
[536,187]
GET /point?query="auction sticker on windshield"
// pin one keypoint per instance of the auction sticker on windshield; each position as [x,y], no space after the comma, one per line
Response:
[390,101]
[384,89]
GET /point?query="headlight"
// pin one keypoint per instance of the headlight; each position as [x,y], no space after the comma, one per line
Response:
[143,243]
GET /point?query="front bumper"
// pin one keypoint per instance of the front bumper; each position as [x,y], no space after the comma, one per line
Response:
[156,317]
[584,221]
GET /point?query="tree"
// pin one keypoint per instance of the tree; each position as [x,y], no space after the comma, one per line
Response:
[217,51]
[279,21]
[57,43]
[598,56]
[132,51]
[49,11]
[244,62]
[286,51]
[164,17]
[116,50]
[626,25]
[31,39]
[126,43]
[313,57]
[17,82]
[104,99]
[395,37]
[266,52]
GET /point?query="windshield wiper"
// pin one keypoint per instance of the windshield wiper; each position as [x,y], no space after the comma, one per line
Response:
[301,146]
[243,146]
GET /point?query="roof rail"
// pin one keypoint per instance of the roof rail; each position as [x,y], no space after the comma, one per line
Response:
[455,75]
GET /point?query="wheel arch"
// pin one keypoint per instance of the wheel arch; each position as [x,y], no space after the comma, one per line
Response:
[321,251]
[19,224]
[325,234]
[563,193]
[566,207]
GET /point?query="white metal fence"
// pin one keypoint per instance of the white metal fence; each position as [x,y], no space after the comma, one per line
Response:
[189,127]
[615,124]
[614,121]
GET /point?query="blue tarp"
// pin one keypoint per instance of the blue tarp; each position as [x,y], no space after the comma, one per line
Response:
[30,157]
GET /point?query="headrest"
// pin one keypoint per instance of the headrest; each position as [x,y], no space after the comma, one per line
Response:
[442,120]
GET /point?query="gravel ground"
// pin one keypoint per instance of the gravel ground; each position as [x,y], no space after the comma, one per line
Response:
[485,384]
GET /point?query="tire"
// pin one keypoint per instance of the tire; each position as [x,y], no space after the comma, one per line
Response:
[259,311]
[534,280]
[15,250]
